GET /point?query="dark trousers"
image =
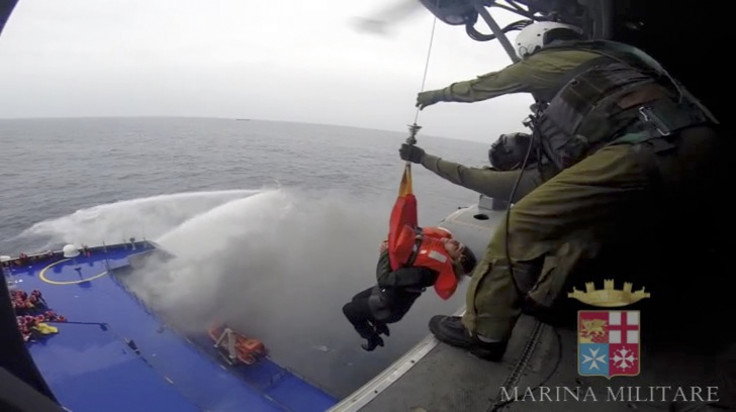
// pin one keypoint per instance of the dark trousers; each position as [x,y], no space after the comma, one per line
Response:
[359,314]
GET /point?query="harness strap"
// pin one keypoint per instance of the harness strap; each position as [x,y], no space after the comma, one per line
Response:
[666,116]
[415,250]
[662,118]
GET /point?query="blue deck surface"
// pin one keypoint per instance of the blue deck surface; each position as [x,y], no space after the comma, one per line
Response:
[90,366]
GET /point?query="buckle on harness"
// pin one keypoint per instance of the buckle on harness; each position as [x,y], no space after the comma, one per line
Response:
[415,249]
[648,115]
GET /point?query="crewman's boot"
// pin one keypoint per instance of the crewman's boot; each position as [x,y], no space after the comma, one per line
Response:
[373,341]
[450,330]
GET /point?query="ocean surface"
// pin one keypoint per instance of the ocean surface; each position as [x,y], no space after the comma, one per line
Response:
[275,225]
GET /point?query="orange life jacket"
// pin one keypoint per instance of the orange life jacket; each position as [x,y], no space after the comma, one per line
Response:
[425,248]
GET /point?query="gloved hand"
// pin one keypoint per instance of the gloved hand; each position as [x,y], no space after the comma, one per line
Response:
[411,153]
[428,98]
[383,247]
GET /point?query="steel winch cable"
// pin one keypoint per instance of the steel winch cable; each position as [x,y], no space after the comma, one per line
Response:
[529,123]
[414,127]
[426,64]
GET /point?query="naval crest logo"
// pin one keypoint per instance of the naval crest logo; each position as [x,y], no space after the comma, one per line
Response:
[609,340]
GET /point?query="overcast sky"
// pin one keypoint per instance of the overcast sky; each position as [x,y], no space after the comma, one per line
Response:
[292,60]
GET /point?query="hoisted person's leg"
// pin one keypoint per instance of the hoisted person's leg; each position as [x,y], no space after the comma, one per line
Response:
[358,312]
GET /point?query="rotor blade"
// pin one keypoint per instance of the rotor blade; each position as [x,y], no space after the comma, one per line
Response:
[380,21]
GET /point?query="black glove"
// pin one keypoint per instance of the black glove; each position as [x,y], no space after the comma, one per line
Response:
[411,153]
[428,98]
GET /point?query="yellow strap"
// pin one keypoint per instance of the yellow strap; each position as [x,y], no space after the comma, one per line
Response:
[405,188]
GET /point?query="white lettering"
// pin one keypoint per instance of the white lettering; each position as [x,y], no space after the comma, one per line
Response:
[613,397]
[664,392]
[575,395]
[505,396]
[613,394]
[680,393]
[713,394]
[695,391]
[544,392]
[589,392]
[638,399]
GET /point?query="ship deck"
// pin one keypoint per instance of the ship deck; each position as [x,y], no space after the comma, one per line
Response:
[114,354]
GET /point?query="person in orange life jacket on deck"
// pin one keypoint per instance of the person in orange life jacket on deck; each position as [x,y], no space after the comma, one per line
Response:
[429,257]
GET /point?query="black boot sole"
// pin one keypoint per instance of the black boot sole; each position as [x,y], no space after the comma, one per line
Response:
[449,329]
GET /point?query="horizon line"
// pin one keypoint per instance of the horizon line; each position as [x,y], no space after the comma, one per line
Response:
[219,118]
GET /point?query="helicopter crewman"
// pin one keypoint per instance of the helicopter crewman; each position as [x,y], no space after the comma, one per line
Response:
[622,144]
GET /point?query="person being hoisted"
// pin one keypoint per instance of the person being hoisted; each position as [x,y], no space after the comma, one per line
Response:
[427,257]
[411,259]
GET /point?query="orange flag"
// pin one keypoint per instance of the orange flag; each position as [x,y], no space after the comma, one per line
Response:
[404,213]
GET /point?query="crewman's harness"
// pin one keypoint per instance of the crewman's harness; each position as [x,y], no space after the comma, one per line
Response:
[587,114]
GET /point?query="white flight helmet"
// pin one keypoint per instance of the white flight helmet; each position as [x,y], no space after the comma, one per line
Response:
[532,37]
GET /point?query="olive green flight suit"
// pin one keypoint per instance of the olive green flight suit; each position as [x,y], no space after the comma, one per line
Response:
[563,221]
[496,184]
